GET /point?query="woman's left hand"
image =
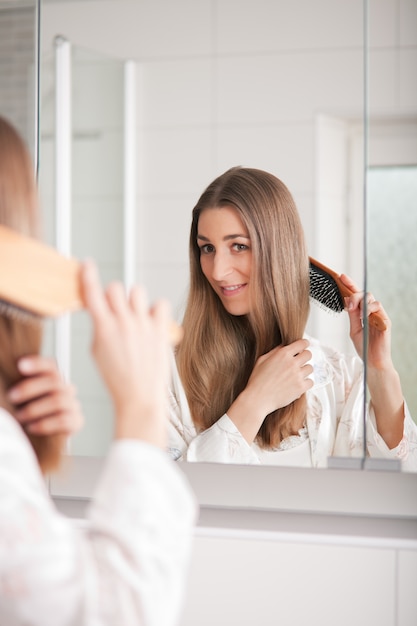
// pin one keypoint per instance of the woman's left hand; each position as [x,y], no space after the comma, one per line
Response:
[382,378]
[43,403]
[379,342]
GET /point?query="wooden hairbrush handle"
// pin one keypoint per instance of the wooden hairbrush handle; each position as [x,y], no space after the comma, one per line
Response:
[39,280]
[374,319]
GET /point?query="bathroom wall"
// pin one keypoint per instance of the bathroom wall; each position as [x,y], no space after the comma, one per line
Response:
[17,67]
[215,91]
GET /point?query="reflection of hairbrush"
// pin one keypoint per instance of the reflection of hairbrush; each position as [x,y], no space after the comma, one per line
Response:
[329,291]
[36,281]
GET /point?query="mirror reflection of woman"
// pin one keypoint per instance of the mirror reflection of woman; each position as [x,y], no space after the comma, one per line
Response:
[254,387]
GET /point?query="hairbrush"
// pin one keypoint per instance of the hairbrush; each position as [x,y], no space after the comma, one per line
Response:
[36,281]
[329,291]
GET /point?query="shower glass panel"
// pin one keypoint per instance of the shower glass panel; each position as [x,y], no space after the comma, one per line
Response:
[97,208]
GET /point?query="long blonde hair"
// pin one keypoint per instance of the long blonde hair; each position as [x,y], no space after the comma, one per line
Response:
[19,210]
[219,350]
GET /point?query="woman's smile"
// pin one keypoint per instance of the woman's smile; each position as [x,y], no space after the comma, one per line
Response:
[232,290]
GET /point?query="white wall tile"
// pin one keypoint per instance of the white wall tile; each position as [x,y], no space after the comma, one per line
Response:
[98,229]
[95,437]
[331,208]
[383,81]
[170,29]
[331,231]
[271,25]
[47,169]
[331,154]
[176,160]
[17,56]
[97,91]
[170,283]
[285,150]
[97,162]
[305,205]
[165,228]
[408,22]
[261,89]
[47,93]
[407,79]
[138,29]
[383,24]
[177,92]
[84,374]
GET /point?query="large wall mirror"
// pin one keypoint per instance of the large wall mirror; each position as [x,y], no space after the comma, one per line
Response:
[202,85]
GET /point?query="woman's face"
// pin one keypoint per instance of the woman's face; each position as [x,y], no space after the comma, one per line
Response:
[226,257]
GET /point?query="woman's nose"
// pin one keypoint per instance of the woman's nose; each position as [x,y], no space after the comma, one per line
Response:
[221,266]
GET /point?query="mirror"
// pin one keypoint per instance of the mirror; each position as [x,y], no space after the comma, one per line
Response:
[275,85]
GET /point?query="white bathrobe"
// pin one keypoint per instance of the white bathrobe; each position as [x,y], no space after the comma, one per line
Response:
[334,423]
[126,568]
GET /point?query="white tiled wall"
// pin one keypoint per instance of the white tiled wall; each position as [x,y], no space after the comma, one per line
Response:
[227,82]
[17,67]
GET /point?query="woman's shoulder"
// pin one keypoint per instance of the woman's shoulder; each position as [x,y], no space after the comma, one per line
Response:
[331,361]
[319,350]
[324,351]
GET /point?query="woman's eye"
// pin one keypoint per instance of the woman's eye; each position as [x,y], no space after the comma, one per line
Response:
[239,247]
[207,248]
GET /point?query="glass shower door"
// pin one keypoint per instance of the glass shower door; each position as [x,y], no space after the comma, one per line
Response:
[86,193]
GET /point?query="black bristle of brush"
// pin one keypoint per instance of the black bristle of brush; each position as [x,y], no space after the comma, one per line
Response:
[324,290]
[14,312]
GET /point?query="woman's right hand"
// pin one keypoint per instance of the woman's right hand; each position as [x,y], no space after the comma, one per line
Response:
[281,376]
[43,402]
[131,348]
[278,378]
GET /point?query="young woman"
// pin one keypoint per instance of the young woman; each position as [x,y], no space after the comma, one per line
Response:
[258,389]
[135,548]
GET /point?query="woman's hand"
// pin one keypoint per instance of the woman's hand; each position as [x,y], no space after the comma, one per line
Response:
[131,348]
[44,404]
[379,342]
[382,379]
[281,376]
[278,378]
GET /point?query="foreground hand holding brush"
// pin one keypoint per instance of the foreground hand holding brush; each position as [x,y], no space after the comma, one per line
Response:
[135,547]
[142,512]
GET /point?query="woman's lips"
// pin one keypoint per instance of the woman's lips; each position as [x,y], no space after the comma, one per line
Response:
[232,290]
